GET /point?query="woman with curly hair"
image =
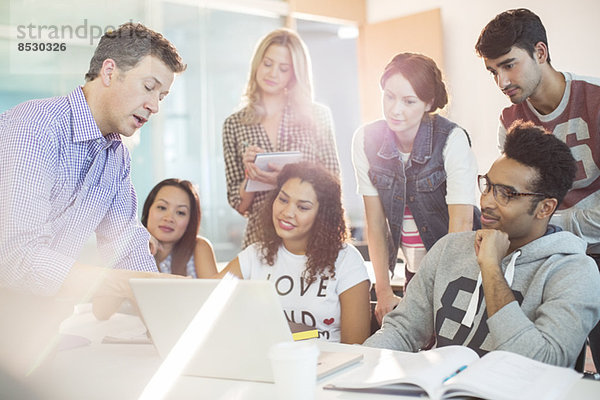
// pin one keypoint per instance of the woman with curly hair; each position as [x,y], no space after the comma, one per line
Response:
[302,248]
[278,114]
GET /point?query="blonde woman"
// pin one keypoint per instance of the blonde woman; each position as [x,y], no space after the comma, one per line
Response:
[278,114]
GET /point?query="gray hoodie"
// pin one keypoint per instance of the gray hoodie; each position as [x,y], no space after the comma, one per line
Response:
[557,291]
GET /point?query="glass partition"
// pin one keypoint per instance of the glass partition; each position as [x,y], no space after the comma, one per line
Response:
[217,46]
[184,139]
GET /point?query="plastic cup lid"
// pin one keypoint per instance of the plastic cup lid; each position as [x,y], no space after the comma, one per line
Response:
[294,350]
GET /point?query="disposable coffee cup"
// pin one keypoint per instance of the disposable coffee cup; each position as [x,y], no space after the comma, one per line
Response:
[295,369]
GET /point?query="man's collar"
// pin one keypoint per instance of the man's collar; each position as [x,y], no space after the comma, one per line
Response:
[84,126]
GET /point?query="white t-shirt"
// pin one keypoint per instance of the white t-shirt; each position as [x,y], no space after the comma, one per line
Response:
[459,163]
[316,305]
[461,174]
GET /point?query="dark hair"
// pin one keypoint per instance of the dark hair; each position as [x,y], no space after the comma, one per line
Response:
[184,248]
[328,233]
[128,45]
[424,76]
[552,159]
[519,27]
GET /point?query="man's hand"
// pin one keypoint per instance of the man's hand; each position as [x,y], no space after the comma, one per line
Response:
[491,246]
[115,289]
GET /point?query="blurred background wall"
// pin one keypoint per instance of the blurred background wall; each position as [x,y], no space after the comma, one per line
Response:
[350,42]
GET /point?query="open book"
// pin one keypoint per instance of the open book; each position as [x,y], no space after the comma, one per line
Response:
[263,160]
[457,371]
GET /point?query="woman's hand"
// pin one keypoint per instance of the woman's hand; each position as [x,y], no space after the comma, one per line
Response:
[386,302]
[250,171]
[255,173]
[250,155]
[155,246]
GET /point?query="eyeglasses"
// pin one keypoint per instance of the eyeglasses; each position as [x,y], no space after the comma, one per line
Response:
[503,194]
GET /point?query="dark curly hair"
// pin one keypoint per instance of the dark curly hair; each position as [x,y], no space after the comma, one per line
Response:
[552,159]
[424,76]
[519,27]
[329,231]
[184,248]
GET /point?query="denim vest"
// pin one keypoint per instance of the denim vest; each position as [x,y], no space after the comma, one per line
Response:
[419,184]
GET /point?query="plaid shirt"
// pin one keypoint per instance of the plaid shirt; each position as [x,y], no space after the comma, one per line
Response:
[61,181]
[316,144]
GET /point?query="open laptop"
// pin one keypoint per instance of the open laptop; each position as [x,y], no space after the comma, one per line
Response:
[247,321]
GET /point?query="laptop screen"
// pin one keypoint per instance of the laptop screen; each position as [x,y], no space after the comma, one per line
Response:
[233,342]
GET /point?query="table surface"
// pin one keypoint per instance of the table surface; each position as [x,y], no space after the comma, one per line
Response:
[122,371]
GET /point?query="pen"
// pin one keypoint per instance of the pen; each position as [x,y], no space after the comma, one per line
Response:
[246,144]
[452,375]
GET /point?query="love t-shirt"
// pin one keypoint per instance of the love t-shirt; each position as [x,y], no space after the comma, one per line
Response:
[317,304]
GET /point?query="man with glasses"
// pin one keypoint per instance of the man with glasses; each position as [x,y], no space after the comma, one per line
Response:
[518,284]
[515,51]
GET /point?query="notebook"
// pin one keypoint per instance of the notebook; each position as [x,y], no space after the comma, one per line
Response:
[247,321]
[262,161]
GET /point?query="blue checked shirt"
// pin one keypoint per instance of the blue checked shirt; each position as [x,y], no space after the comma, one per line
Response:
[61,181]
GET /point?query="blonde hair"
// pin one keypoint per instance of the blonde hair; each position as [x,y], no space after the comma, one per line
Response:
[299,90]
